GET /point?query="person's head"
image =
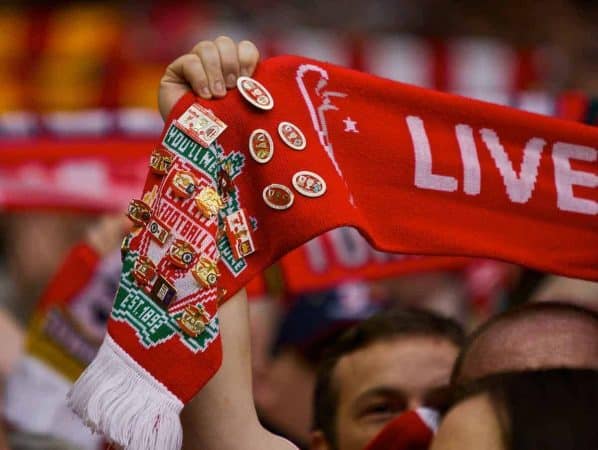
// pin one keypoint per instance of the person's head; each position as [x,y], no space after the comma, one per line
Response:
[532,337]
[545,409]
[394,361]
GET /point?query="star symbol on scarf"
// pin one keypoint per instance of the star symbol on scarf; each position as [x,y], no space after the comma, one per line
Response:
[350,125]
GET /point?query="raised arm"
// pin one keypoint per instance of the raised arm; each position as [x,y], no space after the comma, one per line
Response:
[222,416]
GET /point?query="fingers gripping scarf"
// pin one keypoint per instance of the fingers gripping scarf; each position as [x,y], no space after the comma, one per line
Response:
[414,170]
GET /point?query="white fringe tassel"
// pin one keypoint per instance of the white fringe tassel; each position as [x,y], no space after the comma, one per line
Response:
[115,396]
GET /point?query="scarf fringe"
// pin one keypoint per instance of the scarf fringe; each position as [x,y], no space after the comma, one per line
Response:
[115,396]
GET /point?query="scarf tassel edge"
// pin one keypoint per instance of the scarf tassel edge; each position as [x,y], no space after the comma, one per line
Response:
[116,397]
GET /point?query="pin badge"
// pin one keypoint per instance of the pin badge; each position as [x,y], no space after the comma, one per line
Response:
[206,272]
[144,271]
[200,124]
[239,234]
[278,196]
[309,184]
[225,182]
[163,292]
[183,184]
[194,320]
[255,93]
[161,161]
[181,254]
[158,231]
[124,246]
[138,212]
[261,146]
[292,135]
[208,202]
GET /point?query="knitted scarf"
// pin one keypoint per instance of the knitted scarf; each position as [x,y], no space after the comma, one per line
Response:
[63,337]
[313,147]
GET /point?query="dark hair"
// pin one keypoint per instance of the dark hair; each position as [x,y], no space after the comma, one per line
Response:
[552,409]
[380,327]
[526,309]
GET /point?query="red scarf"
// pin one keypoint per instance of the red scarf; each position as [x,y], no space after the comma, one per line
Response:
[415,171]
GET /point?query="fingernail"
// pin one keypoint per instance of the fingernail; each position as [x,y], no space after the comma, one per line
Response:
[231,80]
[219,87]
[205,92]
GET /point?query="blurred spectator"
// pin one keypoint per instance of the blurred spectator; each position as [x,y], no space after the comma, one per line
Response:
[283,389]
[534,336]
[34,244]
[393,362]
[571,290]
[525,410]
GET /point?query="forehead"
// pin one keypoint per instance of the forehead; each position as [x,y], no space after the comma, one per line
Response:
[410,364]
[533,341]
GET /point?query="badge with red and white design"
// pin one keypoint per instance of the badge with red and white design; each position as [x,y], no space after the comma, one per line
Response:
[255,93]
[194,320]
[206,272]
[292,135]
[309,184]
[181,254]
[239,234]
[160,161]
[139,212]
[200,124]
[278,196]
[184,184]
[144,271]
[261,146]
[158,230]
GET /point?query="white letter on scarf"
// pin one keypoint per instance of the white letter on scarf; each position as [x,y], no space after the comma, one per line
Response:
[424,178]
[565,177]
[519,187]
[469,156]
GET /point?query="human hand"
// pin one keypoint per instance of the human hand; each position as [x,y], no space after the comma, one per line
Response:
[208,70]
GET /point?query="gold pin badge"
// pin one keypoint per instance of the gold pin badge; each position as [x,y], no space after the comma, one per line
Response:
[138,212]
[209,202]
[206,272]
[161,161]
[181,254]
[124,246]
[194,320]
[184,184]
[144,271]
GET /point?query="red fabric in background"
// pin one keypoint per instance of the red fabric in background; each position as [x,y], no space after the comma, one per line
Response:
[343,254]
[78,174]
[71,277]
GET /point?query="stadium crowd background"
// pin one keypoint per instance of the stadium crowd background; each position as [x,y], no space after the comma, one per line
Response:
[85,71]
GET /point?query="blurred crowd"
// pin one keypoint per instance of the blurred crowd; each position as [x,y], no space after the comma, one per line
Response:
[311,334]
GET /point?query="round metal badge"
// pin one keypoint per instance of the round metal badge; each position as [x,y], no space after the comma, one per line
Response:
[292,135]
[309,184]
[278,196]
[261,146]
[255,93]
